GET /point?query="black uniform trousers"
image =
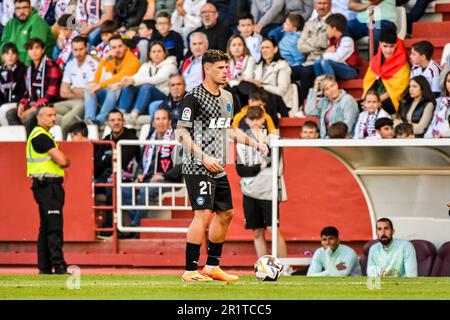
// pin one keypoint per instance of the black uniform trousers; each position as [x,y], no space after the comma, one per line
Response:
[49,195]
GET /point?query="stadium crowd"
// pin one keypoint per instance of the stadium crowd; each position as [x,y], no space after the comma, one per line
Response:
[88,57]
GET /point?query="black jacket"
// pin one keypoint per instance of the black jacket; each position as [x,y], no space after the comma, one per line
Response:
[103,154]
[129,13]
[173,42]
[12,83]
[217,36]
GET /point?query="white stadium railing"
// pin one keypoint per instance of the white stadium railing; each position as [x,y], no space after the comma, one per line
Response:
[147,206]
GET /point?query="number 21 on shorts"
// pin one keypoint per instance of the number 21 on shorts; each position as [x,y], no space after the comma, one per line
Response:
[205,187]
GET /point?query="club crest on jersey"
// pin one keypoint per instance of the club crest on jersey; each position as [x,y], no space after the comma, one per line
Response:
[200,201]
[228,107]
[219,123]
[186,114]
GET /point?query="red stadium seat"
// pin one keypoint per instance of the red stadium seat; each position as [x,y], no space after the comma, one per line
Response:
[365,256]
[425,255]
[441,267]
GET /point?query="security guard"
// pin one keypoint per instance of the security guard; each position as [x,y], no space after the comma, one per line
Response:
[45,165]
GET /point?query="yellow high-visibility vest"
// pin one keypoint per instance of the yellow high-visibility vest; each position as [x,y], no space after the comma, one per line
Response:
[41,165]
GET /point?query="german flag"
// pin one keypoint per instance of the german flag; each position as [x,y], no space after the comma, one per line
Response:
[394,73]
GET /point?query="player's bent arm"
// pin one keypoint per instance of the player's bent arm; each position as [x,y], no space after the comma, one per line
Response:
[183,136]
[59,157]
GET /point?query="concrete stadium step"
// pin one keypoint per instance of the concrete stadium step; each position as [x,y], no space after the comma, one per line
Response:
[438,44]
[169,223]
[431,30]
[444,9]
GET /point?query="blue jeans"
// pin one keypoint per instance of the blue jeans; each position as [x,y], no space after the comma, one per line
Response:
[358,30]
[136,215]
[153,107]
[104,97]
[94,37]
[142,96]
[276,33]
[339,71]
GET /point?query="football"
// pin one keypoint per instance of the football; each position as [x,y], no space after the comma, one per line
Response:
[268,268]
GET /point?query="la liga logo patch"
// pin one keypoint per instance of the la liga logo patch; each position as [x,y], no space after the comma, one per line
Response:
[186,114]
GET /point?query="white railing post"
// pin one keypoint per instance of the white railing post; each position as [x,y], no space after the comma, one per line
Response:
[275,158]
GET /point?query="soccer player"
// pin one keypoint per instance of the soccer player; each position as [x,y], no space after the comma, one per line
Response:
[203,129]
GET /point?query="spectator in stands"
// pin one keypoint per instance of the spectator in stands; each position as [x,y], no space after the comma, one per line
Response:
[385,17]
[273,75]
[338,130]
[309,130]
[103,92]
[25,25]
[365,125]
[391,257]
[46,10]
[186,18]
[192,66]
[42,80]
[171,39]
[234,10]
[333,259]
[302,8]
[145,36]
[12,80]
[128,14]
[241,64]
[331,104]
[156,6]
[173,103]
[423,64]
[268,14]
[416,12]
[102,156]
[78,72]
[445,63]
[107,31]
[439,126]
[62,52]
[63,7]
[6,12]
[404,131]
[253,39]
[339,6]
[255,171]
[256,99]
[158,164]
[149,84]
[78,132]
[388,72]
[292,27]
[313,43]
[91,14]
[341,59]
[217,32]
[384,128]
[417,106]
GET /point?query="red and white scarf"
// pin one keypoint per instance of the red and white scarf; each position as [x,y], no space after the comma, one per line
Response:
[234,71]
[88,11]
[66,50]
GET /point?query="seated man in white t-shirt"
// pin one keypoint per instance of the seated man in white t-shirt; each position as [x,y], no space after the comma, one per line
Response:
[79,71]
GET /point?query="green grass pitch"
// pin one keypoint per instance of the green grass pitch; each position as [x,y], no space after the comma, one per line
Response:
[247,288]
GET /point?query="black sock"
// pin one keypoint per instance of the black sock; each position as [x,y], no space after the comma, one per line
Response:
[214,253]
[192,255]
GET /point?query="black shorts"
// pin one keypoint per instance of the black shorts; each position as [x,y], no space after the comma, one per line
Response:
[209,193]
[258,213]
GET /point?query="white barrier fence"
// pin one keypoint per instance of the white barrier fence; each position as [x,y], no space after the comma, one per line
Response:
[147,205]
